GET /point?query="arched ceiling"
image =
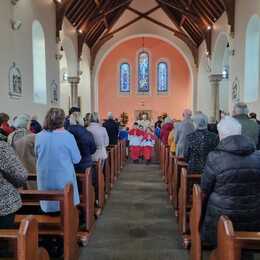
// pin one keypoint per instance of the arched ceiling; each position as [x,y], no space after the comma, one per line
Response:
[191,20]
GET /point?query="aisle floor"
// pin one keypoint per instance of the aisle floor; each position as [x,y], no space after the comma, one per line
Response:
[137,222]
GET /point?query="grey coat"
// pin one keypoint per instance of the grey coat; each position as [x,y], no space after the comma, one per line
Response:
[12,176]
[181,130]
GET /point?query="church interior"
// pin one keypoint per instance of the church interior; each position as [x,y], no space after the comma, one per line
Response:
[129,129]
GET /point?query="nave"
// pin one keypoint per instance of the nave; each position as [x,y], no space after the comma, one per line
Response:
[138,221]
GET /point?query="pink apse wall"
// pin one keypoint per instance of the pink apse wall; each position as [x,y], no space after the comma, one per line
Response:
[180,83]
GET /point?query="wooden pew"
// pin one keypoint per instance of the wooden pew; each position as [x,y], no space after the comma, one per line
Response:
[26,240]
[170,176]
[185,203]
[195,221]
[166,163]
[87,202]
[101,185]
[107,173]
[178,165]
[66,225]
[231,243]
[112,165]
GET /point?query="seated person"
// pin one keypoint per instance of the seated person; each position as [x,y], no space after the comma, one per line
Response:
[85,141]
[230,182]
[199,144]
[22,124]
[56,153]
[12,176]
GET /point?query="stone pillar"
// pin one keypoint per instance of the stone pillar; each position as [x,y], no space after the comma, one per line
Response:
[215,80]
[74,81]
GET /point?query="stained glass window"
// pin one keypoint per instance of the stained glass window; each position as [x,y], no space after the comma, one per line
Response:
[125,77]
[143,72]
[162,77]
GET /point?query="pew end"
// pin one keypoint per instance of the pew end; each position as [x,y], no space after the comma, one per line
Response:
[26,240]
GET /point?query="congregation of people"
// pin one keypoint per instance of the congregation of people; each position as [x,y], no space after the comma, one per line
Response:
[229,163]
[56,151]
[227,159]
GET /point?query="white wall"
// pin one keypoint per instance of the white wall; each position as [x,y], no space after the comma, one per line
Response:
[16,46]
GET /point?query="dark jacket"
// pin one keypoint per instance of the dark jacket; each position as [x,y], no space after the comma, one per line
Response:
[86,145]
[112,131]
[197,147]
[231,183]
[249,127]
[35,127]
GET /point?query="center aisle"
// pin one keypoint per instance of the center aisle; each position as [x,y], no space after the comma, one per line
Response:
[137,222]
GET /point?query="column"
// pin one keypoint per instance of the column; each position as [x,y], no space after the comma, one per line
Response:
[215,80]
[74,81]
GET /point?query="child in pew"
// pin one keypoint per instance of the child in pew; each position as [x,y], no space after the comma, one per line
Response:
[148,143]
[135,139]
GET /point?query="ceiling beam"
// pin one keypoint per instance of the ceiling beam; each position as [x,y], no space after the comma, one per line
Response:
[179,9]
[230,9]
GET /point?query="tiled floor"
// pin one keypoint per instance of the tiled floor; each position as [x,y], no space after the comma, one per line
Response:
[137,222]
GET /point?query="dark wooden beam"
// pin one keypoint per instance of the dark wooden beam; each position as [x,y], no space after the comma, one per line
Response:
[230,9]
[61,9]
[179,9]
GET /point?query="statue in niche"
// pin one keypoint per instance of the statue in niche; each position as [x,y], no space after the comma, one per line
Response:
[54,92]
[15,81]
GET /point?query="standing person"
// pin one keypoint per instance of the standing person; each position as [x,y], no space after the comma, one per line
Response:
[56,153]
[141,148]
[13,175]
[166,129]
[112,128]
[135,139]
[67,118]
[182,129]
[230,182]
[35,125]
[123,134]
[85,142]
[144,122]
[100,136]
[148,143]
[22,125]
[253,117]
[249,127]
[199,144]
[5,128]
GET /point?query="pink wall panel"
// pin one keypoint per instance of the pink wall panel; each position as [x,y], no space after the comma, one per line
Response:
[180,83]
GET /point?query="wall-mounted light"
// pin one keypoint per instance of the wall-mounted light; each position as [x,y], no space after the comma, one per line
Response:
[16,24]
[14,2]
[209,27]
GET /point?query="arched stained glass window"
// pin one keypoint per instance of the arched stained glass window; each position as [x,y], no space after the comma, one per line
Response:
[125,78]
[39,64]
[162,77]
[143,72]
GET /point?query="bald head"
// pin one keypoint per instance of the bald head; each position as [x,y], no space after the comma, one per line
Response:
[187,113]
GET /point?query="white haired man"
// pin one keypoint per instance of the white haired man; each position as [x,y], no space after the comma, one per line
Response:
[182,129]
[230,182]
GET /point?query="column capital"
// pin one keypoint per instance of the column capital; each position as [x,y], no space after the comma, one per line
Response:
[74,80]
[215,77]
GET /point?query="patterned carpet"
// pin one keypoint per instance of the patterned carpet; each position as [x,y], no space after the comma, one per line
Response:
[138,222]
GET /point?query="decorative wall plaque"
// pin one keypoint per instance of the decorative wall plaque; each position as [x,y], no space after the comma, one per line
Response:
[235,91]
[15,82]
[54,92]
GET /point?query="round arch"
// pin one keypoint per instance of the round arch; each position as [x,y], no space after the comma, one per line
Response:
[105,51]
[221,65]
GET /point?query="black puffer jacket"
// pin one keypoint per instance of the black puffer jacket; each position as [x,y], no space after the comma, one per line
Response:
[231,182]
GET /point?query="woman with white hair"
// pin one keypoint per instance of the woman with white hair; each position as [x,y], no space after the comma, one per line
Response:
[199,144]
[231,182]
[22,125]
[100,136]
